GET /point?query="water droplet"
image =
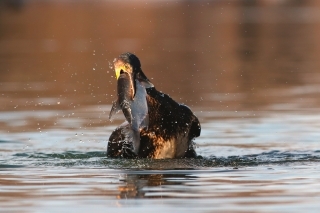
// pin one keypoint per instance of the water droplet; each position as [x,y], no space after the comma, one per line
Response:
[110,65]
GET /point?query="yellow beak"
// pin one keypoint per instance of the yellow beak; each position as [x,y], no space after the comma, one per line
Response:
[117,72]
[121,67]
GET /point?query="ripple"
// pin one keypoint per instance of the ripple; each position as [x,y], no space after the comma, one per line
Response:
[99,159]
[69,155]
[8,166]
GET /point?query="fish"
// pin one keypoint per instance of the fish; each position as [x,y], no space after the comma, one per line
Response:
[134,108]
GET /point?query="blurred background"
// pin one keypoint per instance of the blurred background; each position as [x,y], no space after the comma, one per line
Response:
[249,70]
[221,55]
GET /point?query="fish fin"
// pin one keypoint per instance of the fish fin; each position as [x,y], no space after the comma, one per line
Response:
[114,109]
[144,81]
[145,122]
[146,84]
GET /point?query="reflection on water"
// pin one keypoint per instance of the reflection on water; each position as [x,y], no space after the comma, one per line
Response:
[269,189]
[248,69]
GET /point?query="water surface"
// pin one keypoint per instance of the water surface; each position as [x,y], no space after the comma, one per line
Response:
[248,69]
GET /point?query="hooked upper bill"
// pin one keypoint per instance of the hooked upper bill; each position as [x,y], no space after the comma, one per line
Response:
[121,66]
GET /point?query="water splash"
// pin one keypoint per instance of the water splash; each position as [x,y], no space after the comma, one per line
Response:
[99,159]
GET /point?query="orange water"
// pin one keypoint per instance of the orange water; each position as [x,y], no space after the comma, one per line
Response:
[248,69]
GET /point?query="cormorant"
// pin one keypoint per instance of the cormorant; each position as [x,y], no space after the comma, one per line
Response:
[166,128]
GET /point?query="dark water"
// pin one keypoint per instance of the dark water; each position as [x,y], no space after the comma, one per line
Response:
[248,69]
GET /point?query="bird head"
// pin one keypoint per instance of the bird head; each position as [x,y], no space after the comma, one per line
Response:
[128,70]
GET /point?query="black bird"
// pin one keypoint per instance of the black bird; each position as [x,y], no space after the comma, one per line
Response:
[168,129]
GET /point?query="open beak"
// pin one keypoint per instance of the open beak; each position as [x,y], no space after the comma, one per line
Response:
[126,92]
[125,89]
[118,70]
[125,86]
[126,80]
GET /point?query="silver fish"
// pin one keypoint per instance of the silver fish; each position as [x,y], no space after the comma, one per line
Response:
[135,110]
